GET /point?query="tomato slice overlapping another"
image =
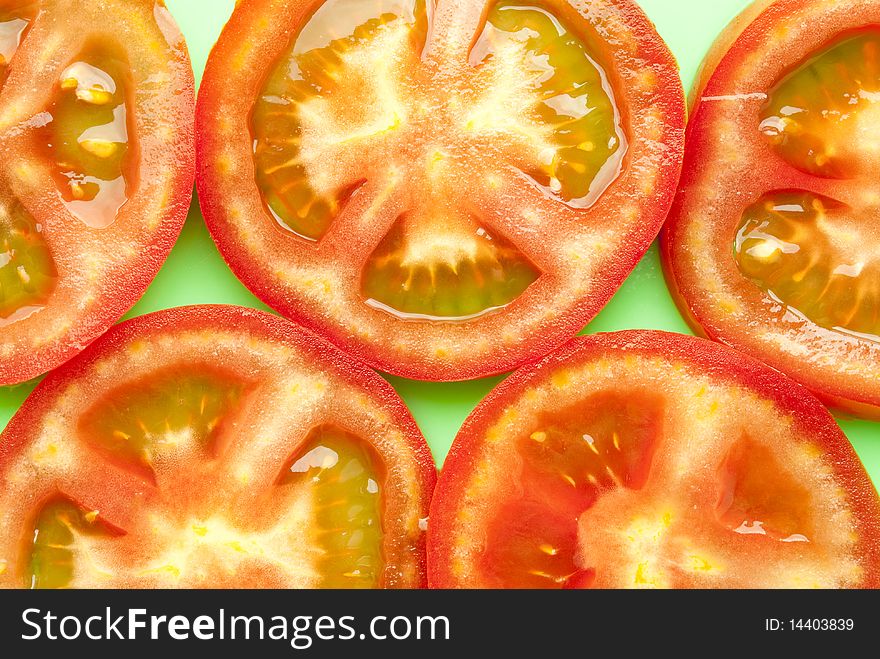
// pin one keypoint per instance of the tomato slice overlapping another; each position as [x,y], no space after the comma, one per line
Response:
[644,459]
[772,245]
[213,447]
[96,128]
[443,189]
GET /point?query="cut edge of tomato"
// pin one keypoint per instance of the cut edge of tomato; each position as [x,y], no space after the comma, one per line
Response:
[839,405]
[115,307]
[670,101]
[717,361]
[851,402]
[21,427]
[123,295]
[719,48]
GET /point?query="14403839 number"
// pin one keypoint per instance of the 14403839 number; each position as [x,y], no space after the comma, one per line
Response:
[822,624]
[810,624]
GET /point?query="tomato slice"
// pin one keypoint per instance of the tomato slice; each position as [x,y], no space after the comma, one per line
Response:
[644,459]
[444,189]
[213,447]
[770,247]
[96,125]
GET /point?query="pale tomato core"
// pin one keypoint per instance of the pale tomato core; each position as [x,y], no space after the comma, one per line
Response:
[354,81]
[145,426]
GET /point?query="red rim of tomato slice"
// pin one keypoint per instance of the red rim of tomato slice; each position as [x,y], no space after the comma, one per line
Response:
[643,458]
[96,124]
[445,189]
[213,446]
[768,247]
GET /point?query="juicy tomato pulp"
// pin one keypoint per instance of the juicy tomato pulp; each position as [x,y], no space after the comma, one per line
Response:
[27,271]
[602,443]
[347,478]
[803,248]
[796,198]
[187,464]
[635,460]
[88,136]
[99,172]
[445,190]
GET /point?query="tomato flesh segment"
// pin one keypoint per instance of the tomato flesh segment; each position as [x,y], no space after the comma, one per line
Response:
[809,253]
[454,274]
[569,461]
[88,136]
[142,422]
[539,549]
[545,86]
[345,476]
[27,270]
[316,99]
[758,496]
[13,25]
[59,527]
[824,117]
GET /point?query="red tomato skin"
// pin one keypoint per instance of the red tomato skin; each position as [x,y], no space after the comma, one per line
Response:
[736,40]
[214,203]
[229,317]
[841,405]
[716,360]
[119,296]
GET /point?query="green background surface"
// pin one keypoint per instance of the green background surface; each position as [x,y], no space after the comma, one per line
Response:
[195,273]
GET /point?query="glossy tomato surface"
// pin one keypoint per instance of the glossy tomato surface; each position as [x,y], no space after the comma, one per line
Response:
[96,131]
[443,189]
[644,459]
[213,447]
[772,244]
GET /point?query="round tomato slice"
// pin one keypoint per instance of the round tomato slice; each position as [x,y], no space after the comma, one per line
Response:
[771,245]
[96,129]
[444,189]
[644,459]
[213,447]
